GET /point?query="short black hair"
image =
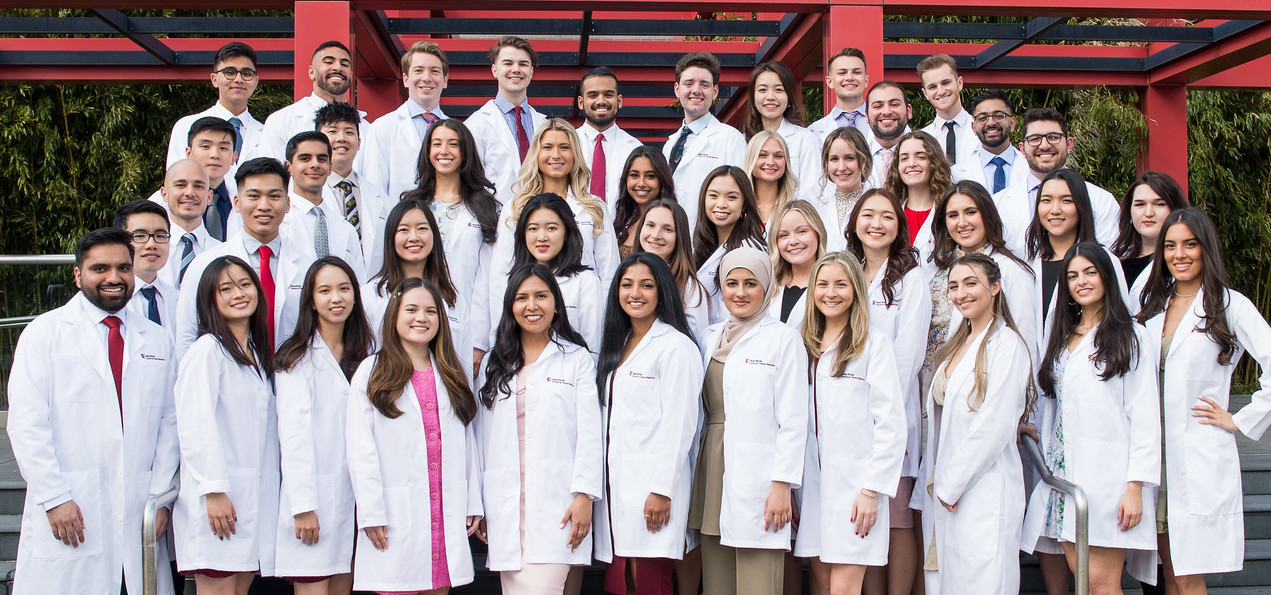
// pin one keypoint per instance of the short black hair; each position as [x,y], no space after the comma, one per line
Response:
[213,124]
[106,236]
[335,113]
[234,49]
[595,72]
[134,207]
[997,94]
[886,85]
[1045,114]
[308,135]
[262,166]
[331,44]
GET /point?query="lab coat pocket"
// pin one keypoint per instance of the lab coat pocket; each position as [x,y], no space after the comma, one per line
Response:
[975,527]
[86,492]
[397,508]
[1212,468]
[1100,467]
[243,489]
[747,483]
[76,386]
[843,476]
[636,470]
[328,491]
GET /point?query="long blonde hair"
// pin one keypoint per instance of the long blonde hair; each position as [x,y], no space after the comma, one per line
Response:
[783,270]
[529,182]
[852,343]
[789,182]
[1001,311]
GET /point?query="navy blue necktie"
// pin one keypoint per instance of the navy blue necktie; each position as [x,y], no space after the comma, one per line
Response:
[152,310]
[999,175]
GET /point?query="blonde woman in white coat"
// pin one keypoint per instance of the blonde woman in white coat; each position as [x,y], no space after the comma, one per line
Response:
[776,108]
[900,309]
[1204,328]
[315,509]
[979,391]
[1099,369]
[727,218]
[1150,198]
[856,440]
[540,437]
[650,376]
[796,241]
[224,516]
[752,456]
[412,453]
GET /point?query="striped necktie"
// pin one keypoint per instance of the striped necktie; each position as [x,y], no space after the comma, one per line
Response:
[349,200]
[187,255]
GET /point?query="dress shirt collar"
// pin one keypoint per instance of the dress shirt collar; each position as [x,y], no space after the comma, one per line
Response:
[506,106]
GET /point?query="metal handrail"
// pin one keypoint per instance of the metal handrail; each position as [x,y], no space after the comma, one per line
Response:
[149,566]
[36,259]
[1080,503]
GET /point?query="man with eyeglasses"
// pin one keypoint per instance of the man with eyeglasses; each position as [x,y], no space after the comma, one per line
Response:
[234,76]
[1046,146]
[996,163]
[147,222]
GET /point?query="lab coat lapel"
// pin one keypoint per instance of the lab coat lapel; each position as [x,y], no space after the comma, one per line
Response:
[1189,326]
[94,351]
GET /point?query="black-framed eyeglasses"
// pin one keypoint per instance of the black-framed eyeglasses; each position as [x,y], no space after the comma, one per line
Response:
[230,72]
[1053,138]
[160,237]
[997,117]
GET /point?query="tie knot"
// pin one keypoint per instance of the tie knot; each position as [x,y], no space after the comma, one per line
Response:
[265,251]
[950,124]
[600,137]
[316,211]
[685,131]
[516,109]
[148,292]
[236,122]
[113,322]
[998,161]
[187,240]
[345,185]
[428,117]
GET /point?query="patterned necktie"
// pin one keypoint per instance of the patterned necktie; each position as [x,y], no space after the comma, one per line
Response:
[187,255]
[267,285]
[349,200]
[238,137]
[677,151]
[848,119]
[598,168]
[423,122]
[115,353]
[999,175]
[522,139]
[321,245]
[152,304]
[951,143]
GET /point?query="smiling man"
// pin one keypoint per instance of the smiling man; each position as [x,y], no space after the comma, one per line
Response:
[330,234]
[504,126]
[234,77]
[702,143]
[997,164]
[942,87]
[888,111]
[605,145]
[331,70]
[147,223]
[845,76]
[346,193]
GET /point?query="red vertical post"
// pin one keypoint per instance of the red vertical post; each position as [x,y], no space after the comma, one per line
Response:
[1165,109]
[859,25]
[377,97]
[316,22]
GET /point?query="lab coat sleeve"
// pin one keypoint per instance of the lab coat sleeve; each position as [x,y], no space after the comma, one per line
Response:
[887,409]
[295,435]
[167,455]
[1107,217]
[187,324]
[1143,408]
[374,174]
[605,247]
[734,150]
[1254,335]
[364,459]
[790,404]
[910,342]
[680,387]
[588,451]
[30,429]
[198,390]
[475,507]
[994,424]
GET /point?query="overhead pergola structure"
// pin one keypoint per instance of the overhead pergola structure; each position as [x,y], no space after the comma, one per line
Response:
[1160,47]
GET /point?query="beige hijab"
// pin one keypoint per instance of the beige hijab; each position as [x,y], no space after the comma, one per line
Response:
[760,265]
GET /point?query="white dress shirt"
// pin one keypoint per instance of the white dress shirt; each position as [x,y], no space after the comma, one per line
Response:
[966,139]
[617,145]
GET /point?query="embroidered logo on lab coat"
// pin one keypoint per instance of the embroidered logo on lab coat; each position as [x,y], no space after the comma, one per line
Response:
[641,375]
[759,362]
[153,358]
[560,381]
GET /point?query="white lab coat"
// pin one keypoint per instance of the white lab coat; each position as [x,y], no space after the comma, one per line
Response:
[164,292]
[69,443]
[795,320]
[1202,467]
[707,274]
[312,401]
[827,207]
[965,136]
[293,262]
[978,468]
[652,412]
[905,323]
[342,239]
[1136,289]
[391,156]
[718,144]
[1112,435]
[389,466]
[804,160]
[697,309]
[585,306]
[971,170]
[925,243]
[496,143]
[618,145]
[1042,320]
[766,427]
[171,272]
[856,441]
[563,458]
[457,315]
[372,216]
[289,121]
[228,426]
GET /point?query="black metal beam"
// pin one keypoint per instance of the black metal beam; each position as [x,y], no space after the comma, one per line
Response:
[584,38]
[612,59]
[570,27]
[212,26]
[127,58]
[666,92]
[1182,50]
[121,23]
[1000,49]
[1046,63]
[1108,33]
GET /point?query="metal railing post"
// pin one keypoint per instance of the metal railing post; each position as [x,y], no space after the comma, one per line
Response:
[1080,503]
[149,566]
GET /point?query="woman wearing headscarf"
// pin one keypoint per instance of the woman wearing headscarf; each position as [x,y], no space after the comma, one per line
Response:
[742,490]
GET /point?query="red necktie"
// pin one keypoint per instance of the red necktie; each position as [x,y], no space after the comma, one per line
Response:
[598,168]
[267,284]
[115,351]
[522,139]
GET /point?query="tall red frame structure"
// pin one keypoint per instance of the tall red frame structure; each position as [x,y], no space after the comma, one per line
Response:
[1179,44]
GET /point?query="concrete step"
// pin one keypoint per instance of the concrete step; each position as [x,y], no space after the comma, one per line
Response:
[12,496]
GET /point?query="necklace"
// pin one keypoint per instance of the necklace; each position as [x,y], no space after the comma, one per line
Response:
[1190,295]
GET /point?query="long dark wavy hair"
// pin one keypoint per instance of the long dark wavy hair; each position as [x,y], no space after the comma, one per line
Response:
[356,336]
[507,358]
[1038,238]
[939,176]
[569,261]
[625,209]
[617,327]
[946,249]
[681,263]
[901,257]
[1213,280]
[393,368]
[1116,347]
[475,188]
[392,272]
[1129,243]
[748,227]
[211,322]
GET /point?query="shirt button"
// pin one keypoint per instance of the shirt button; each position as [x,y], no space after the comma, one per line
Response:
[428,406]
[434,495]
[435,556]
[432,435]
[432,465]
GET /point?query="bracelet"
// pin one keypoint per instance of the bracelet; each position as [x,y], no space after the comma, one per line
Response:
[873,495]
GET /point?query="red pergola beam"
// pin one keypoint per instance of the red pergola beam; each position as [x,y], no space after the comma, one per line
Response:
[1217,57]
[1177,9]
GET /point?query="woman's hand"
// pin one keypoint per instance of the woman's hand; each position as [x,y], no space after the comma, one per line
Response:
[949,507]
[307,527]
[378,536]
[479,529]
[1213,415]
[777,510]
[221,515]
[579,515]
[474,525]
[1029,429]
[657,512]
[865,511]
[1130,512]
